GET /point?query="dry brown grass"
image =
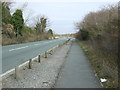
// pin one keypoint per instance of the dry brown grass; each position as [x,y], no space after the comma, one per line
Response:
[23,39]
[27,35]
[104,63]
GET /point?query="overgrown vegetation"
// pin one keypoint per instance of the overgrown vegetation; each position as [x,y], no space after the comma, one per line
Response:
[98,34]
[99,61]
[15,31]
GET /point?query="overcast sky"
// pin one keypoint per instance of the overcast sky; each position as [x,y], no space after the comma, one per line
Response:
[62,15]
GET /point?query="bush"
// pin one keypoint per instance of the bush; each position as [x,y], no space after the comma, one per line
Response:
[84,34]
[101,28]
[7,29]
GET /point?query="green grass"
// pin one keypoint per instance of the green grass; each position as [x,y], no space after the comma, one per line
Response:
[100,61]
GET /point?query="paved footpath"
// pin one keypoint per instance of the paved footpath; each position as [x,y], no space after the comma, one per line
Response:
[76,71]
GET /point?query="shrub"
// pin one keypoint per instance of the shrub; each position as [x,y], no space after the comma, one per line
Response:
[84,34]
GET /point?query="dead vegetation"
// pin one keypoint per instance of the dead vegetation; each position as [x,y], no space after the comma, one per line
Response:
[14,28]
[98,34]
[28,35]
[103,64]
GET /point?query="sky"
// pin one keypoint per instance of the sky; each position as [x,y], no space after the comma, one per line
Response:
[62,15]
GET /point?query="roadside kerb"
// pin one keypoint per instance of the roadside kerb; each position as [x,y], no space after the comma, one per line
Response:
[28,64]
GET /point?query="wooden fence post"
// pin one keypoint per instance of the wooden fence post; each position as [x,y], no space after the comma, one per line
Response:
[46,54]
[17,74]
[51,52]
[30,63]
[39,58]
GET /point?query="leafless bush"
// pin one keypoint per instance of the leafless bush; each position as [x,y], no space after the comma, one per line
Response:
[103,28]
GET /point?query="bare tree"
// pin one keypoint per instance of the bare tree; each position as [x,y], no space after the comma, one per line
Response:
[42,23]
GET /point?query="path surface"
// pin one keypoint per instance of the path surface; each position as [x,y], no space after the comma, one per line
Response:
[77,72]
[14,55]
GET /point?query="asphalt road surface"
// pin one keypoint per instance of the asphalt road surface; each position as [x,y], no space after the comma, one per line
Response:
[76,71]
[14,55]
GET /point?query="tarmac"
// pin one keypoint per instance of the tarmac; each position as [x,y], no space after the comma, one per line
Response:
[77,71]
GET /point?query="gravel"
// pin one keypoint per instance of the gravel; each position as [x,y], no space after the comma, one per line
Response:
[42,75]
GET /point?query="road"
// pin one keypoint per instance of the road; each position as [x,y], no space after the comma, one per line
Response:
[76,71]
[14,55]
[42,75]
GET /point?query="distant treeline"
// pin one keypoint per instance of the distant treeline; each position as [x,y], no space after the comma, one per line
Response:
[14,29]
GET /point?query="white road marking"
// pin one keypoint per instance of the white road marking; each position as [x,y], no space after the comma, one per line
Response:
[17,48]
[29,45]
[13,45]
[8,72]
[36,44]
[34,58]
